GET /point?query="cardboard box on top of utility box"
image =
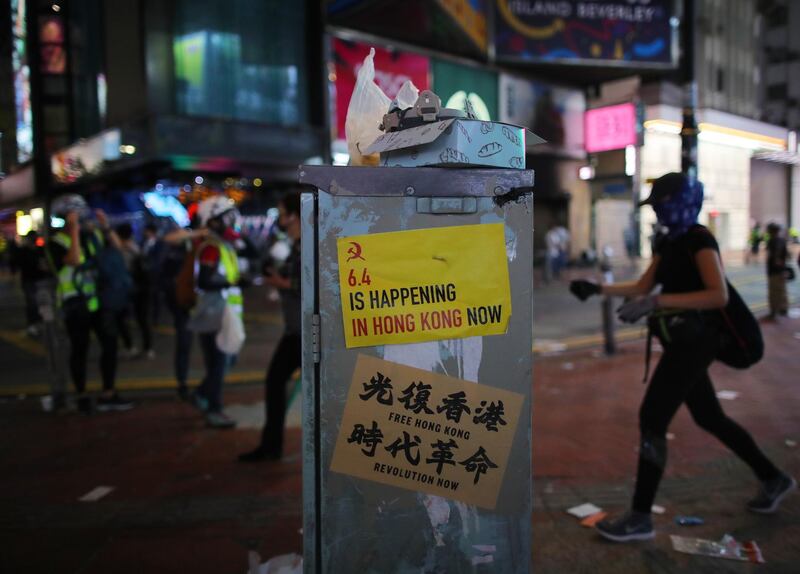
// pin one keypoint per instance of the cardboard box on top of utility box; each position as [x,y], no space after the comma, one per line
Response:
[456,142]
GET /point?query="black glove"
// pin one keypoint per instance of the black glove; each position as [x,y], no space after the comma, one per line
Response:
[584,289]
[789,273]
[637,308]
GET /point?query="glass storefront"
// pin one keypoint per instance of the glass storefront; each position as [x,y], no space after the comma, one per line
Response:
[241,59]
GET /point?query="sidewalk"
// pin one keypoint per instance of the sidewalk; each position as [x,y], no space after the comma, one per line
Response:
[182,504]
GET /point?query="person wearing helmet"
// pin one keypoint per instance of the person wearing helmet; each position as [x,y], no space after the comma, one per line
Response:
[218,277]
[686,264]
[70,252]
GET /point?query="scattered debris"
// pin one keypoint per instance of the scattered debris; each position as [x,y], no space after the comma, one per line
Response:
[728,395]
[584,510]
[593,519]
[728,547]
[96,494]
[656,509]
[689,521]
[283,564]
[548,346]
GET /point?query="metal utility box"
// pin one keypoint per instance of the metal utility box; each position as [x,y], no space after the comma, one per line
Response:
[417,335]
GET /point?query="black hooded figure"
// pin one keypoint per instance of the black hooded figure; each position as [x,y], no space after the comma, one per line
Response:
[683,315]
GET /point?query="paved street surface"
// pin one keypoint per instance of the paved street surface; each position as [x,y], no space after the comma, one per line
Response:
[180,502]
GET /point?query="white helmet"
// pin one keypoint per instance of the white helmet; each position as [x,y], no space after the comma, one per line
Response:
[214,207]
[64,204]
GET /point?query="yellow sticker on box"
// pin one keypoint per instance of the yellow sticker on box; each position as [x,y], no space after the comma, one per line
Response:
[426,432]
[424,284]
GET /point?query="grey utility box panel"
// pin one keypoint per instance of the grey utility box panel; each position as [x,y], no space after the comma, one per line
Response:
[417,301]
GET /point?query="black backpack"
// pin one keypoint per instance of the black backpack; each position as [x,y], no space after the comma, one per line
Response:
[114,284]
[742,344]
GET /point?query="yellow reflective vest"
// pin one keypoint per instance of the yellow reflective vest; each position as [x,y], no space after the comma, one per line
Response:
[72,280]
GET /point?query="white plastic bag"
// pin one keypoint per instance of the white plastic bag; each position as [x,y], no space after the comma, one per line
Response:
[365,112]
[283,564]
[231,337]
[407,96]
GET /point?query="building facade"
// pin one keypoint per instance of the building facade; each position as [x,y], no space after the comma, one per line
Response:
[127,93]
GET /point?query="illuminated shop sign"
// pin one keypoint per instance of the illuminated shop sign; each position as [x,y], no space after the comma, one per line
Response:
[611,127]
[628,33]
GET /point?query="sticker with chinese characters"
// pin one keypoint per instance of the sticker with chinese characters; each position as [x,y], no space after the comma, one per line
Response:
[424,284]
[426,432]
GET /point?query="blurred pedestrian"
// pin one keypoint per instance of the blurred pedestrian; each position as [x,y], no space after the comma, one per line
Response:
[218,285]
[287,356]
[777,258]
[688,268]
[74,253]
[755,239]
[552,242]
[31,263]
[139,297]
[152,253]
[177,283]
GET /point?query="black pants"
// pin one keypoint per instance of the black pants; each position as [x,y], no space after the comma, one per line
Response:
[682,377]
[140,303]
[183,343]
[79,323]
[285,361]
[32,316]
[216,364]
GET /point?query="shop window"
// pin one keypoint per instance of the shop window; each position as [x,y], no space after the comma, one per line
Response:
[240,59]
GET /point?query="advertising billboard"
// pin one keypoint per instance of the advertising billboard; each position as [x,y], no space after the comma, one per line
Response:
[455,84]
[611,127]
[625,33]
[392,69]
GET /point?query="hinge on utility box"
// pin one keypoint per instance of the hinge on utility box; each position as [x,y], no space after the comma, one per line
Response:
[315,337]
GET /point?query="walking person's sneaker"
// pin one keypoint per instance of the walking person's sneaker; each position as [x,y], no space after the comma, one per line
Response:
[219,420]
[199,401]
[113,403]
[771,493]
[260,455]
[632,526]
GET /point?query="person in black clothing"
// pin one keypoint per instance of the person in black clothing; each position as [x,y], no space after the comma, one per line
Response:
[29,259]
[139,298]
[777,259]
[71,252]
[687,265]
[178,246]
[287,356]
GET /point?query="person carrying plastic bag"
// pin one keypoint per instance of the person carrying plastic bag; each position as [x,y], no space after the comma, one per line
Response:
[216,316]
